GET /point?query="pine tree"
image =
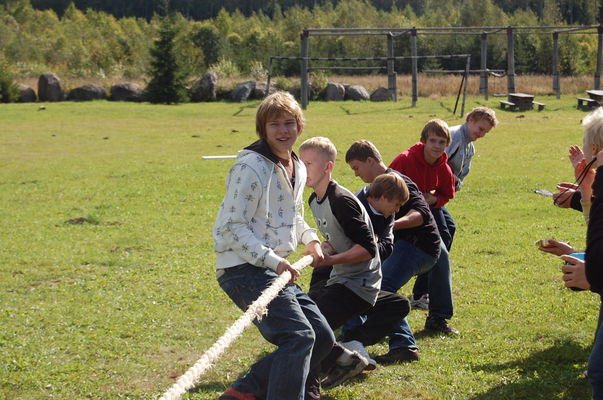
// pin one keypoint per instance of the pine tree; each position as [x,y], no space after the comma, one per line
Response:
[168,80]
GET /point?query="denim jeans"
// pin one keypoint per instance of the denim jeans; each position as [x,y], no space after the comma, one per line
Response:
[293,324]
[407,261]
[595,363]
[447,229]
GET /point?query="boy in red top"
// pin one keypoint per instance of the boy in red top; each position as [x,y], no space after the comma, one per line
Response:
[426,165]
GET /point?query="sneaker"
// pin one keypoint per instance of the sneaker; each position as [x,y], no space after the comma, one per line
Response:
[399,355]
[233,394]
[439,324]
[422,303]
[355,345]
[351,367]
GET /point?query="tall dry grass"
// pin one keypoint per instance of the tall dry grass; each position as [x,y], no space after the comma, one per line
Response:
[430,85]
[436,85]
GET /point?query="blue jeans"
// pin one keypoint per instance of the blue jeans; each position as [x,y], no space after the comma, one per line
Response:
[447,229]
[293,324]
[407,261]
[595,363]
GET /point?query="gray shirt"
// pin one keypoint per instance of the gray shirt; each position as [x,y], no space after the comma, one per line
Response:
[344,222]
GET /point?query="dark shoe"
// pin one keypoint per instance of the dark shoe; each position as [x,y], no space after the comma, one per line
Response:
[233,394]
[439,324]
[399,355]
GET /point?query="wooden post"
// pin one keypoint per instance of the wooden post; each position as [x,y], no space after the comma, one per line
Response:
[304,68]
[391,70]
[599,56]
[415,68]
[267,92]
[556,87]
[467,67]
[510,61]
[483,81]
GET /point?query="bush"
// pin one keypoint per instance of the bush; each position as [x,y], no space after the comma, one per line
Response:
[9,91]
[225,68]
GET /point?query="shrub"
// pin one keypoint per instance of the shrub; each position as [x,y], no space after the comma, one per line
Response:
[225,68]
[9,91]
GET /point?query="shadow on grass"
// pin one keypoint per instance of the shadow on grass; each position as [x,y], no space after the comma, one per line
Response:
[554,373]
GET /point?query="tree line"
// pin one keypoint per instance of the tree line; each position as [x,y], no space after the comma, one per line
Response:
[94,38]
[582,12]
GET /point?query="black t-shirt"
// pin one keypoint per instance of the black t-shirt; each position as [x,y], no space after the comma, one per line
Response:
[426,236]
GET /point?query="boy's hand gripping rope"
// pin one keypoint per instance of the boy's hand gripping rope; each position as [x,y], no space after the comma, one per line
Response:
[256,310]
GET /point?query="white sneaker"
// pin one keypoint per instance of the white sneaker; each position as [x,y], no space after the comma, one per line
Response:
[355,345]
[422,303]
[348,365]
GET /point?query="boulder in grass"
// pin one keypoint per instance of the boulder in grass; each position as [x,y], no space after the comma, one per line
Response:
[243,91]
[259,92]
[26,94]
[205,89]
[49,87]
[334,92]
[381,94]
[126,91]
[87,93]
[356,92]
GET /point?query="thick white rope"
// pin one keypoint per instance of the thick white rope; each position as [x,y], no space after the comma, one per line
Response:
[256,310]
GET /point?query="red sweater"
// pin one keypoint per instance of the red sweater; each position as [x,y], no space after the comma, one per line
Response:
[436,177]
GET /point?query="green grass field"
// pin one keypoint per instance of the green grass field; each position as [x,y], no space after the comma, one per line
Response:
[107,287]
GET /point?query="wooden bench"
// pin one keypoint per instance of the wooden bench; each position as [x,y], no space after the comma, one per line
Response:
[540,105]
[586,103]
[507,104]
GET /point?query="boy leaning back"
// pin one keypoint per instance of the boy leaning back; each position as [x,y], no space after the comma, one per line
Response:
[259,224]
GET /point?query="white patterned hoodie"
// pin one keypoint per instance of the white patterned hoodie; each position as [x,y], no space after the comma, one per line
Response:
[261,220]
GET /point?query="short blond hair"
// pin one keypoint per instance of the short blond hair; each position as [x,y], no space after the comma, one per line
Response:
[274,105]
[593,128]
[322,145]
[391,186]
[481,112]
[438,127]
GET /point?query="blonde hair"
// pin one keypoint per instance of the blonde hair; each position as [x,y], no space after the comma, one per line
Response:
[361,150]
[593,128]
[479,113]
[322,145]
[275,105]
[391,186]
[437,127]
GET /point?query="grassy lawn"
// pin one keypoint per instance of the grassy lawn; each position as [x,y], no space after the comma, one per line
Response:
[107,287]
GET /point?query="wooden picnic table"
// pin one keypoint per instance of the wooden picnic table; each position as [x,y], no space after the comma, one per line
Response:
[594,99]
[521,101]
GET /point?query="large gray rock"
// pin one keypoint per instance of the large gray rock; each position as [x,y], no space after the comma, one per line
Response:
[242,92]
[381,94]
[334,92]
[26,94]
[356,92]
[204,89]
[126,91]
[87,93]
[49,87]
[259,91]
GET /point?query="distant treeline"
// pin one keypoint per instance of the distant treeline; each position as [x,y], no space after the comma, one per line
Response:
[113,37]
[582,12]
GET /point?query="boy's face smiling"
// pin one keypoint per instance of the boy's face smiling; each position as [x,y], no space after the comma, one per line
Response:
[281,134]
[477,128]
[434,148]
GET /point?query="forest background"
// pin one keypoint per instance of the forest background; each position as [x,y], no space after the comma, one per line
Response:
[102,39]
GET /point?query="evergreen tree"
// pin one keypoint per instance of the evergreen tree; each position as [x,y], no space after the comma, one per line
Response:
[168,82]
